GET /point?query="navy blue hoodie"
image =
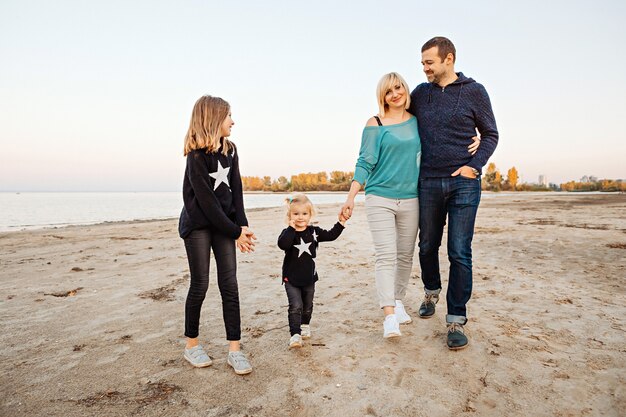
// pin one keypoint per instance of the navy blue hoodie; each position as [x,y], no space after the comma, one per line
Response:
[447,118]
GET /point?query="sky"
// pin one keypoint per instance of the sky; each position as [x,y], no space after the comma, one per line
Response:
[97,96]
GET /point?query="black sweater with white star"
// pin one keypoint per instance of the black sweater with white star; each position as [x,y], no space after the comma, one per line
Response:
[300,251]
[212,194]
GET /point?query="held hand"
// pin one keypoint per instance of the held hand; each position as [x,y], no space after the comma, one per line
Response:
[241,248]
[244,245]
[474,145]
[464,171]
[342,219]
[346,209]
[250,233]
[245,242]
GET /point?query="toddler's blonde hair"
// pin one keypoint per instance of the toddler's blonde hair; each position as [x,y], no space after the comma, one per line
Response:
[298,198]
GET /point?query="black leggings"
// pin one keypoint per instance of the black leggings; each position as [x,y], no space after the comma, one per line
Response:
[300,306]
[198,245]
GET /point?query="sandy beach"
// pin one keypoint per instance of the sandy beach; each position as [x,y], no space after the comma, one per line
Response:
[92,322]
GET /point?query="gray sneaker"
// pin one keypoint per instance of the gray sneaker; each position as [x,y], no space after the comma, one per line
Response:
[239,362]
[306,331]
[197,357]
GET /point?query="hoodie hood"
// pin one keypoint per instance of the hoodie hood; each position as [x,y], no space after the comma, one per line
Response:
[463,79]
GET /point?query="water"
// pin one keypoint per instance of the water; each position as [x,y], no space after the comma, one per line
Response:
[20,211]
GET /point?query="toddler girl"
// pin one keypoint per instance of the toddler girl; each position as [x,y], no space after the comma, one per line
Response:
[300,241]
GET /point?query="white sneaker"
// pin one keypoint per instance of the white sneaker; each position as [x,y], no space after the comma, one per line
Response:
[391,326]
[401,314]
[295,341]
[306,331]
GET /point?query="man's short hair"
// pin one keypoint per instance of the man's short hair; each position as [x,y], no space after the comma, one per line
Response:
[445,46]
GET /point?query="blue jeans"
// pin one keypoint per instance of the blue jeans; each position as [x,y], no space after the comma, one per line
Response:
[457,198]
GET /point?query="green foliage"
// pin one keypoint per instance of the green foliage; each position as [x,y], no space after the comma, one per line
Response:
[532,187]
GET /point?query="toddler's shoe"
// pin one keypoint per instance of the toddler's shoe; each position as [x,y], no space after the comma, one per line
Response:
[401,314]
[391,327]
[306,331]
[197,357]
[239,362]
[295,341]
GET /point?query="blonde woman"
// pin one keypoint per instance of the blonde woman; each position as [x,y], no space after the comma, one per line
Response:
[388,166]
[213,218]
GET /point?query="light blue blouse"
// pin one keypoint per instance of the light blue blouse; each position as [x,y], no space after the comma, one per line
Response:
[389,160]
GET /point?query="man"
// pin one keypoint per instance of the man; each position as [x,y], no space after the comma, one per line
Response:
[449,109]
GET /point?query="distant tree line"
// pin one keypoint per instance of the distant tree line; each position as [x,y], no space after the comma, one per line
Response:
[492,180]
[599,185]
[317,181]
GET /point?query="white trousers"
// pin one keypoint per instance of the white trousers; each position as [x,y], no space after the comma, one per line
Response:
[393,224]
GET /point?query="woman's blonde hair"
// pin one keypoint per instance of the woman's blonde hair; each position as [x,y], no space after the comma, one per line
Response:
[205,126]
[386,83]
[298,199]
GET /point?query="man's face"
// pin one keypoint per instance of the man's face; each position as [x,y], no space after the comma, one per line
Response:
[434,68]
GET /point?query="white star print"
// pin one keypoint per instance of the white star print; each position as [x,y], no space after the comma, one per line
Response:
[221,176]
[314,235]
[303,247]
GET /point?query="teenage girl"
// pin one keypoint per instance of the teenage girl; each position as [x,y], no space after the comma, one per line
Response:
[213,218]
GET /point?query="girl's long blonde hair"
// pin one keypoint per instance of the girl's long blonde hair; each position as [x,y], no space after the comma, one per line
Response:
[298,198]
[205,126]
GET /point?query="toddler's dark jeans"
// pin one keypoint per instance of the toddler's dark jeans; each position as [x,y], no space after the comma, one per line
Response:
[300,306]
